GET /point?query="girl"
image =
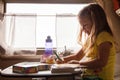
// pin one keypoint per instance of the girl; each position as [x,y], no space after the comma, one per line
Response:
[98,51]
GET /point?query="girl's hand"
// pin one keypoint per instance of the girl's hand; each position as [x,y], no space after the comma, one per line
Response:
[73,62]
[59,61]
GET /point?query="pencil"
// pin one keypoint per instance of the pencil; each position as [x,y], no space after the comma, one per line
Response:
[58,57]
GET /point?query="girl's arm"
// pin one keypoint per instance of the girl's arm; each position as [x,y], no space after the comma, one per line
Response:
[101,61]
[76,56]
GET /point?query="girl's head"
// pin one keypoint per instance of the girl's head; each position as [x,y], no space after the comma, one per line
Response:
[93,20]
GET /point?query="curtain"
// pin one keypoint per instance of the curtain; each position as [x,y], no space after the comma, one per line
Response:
[20,32]
[9,24]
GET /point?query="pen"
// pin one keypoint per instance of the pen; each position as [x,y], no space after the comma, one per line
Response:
[58,57]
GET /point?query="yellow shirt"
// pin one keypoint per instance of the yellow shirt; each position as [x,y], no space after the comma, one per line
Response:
[107,72]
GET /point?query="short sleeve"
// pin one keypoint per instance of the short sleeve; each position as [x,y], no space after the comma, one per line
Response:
[103,37]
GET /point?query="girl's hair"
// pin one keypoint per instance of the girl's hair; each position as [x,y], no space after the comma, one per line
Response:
[99,20]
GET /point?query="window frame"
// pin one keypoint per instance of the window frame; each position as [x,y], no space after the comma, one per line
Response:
[50,1]
[40,50]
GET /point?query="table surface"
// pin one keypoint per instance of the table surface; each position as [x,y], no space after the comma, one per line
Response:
[46,73]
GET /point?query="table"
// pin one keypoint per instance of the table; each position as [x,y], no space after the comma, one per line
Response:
[46,74]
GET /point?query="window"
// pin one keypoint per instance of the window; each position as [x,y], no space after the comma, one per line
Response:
[32,23]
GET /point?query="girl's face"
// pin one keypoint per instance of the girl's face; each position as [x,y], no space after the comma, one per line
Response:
[86,24]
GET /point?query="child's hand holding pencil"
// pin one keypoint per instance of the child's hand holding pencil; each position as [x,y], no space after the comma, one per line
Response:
[59,59]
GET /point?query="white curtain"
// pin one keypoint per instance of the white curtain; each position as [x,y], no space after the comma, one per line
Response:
[10,29]
[1,32]
[20,32]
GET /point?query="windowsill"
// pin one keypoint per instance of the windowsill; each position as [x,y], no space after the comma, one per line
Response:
[20,57]
[23,55]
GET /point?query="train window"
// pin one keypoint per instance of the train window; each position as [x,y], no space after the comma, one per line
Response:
[28,25]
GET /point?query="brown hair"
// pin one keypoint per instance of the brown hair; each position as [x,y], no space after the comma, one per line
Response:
[99,20]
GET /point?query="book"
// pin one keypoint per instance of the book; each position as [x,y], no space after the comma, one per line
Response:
[30,67]
[64,68]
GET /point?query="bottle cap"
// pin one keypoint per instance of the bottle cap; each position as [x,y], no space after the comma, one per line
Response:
[48,39]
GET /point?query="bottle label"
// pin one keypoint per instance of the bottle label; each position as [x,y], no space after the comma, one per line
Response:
[48,51]
[48,48]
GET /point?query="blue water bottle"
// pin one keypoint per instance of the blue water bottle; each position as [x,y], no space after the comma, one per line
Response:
[48,46]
